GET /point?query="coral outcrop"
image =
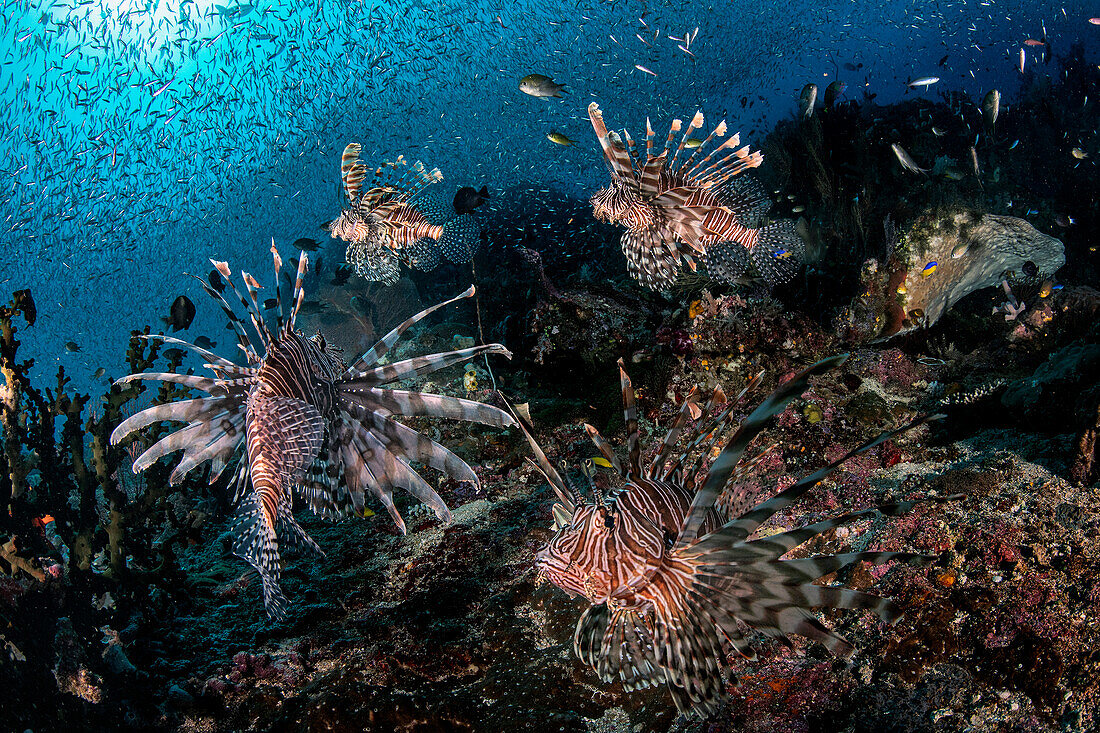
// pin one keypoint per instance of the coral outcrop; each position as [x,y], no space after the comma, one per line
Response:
[942,257]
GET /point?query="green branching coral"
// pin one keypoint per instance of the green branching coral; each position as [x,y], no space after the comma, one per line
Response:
[57,462]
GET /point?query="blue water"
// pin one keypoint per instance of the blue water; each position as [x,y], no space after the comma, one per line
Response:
[141,138]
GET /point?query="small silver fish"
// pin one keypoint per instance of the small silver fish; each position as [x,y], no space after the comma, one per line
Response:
[806,101]
[991,107]
[924,81]
[906,162]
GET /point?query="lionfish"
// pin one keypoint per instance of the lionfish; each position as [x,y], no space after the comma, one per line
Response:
[682,210]
[671,584]
[394,219]
[296,420]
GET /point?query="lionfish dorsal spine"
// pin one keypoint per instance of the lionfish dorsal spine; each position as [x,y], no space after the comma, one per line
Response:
[648,140]
[298,294]
[278,262]
[605,449]
[253,288]
[673,128]
[616,157]
[630,419]
[722,467]
[561,489]
[673,434]
[352,171]
[253,314]
[631,150]
[684,171]
[695,124]
[721,165]
[649,182]
[244,343]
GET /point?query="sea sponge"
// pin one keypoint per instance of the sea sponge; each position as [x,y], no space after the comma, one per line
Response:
[942,257]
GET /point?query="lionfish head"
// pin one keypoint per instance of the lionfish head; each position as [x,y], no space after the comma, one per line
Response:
[574,558]
[613,203]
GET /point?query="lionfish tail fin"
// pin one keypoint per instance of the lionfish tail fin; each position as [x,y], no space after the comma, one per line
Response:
[254,542]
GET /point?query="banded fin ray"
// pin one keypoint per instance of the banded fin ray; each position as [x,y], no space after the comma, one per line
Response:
[382,347]
[420,404]
[727,460]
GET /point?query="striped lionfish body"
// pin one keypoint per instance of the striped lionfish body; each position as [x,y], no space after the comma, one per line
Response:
[672,585]
[296,420]
[677,208]
[393,219]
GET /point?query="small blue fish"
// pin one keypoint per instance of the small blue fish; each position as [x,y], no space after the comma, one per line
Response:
[781,254]
[929,268]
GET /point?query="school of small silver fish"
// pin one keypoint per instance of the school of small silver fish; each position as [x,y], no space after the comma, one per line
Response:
[141,137]
[150,130]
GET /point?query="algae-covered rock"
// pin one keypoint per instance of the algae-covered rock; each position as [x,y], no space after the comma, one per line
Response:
[941,258]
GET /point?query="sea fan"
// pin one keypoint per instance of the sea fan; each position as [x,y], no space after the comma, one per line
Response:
[296,420]
[687,210]
[672,585]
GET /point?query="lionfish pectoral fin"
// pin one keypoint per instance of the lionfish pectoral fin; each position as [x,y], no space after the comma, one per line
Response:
[688,647]
[254,541]
[651,259]
[588,636]
[779,252]
[626,652]
[376,352]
